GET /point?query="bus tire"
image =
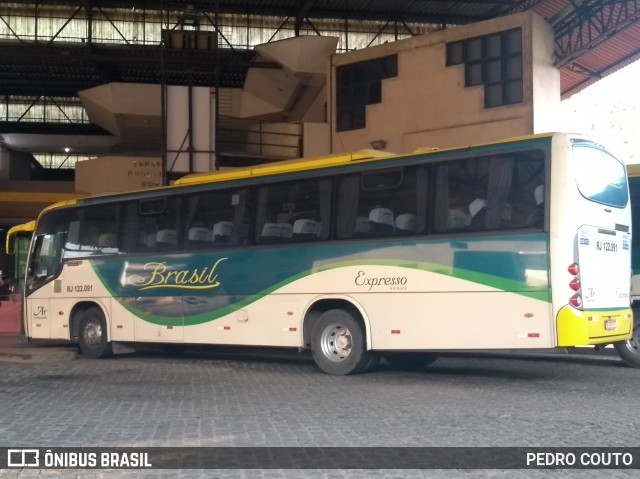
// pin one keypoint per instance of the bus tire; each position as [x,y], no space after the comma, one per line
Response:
[372,363]
[410,360]
[338,344]
[93,339]
[629,350]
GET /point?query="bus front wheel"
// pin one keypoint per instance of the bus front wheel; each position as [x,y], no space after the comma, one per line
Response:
[629,350]
[93,335]
[338,344]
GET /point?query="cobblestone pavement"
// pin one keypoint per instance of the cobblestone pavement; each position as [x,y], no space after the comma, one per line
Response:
[213,399]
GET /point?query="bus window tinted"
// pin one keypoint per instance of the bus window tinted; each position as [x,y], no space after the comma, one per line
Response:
[92,230]
[293,211]
[382,203]
[600,177]
[490,193]
[151,226]
[217,218]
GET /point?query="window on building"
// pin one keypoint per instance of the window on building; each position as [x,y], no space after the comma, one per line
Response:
[494,61]
[358,85]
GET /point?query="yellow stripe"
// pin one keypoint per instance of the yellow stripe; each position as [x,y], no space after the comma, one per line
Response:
[29,227]
[303,164]
[33,197]
[280,167]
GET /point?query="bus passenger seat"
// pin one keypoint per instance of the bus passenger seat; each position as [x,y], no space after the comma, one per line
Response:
[362,227]
[305,230]
[381,221]
[270,233]
[406,223]
[166,239]
[457,219]
[199,236]
[107,240]
[538,194]
[286,231]
[478,210]
[147,241]
[222,232]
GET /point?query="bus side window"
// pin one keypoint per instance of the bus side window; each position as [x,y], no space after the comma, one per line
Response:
[477,187]
[293,211]
[215,219]
[92,230]
[524,206]
[157,224]
[383,203]
[454,194]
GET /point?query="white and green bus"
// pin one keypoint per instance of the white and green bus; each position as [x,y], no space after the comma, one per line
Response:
[523,243]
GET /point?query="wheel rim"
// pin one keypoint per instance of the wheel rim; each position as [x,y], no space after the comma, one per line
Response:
[92,333]
[336,342]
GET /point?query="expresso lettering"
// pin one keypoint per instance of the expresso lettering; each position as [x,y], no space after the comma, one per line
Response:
[363,280]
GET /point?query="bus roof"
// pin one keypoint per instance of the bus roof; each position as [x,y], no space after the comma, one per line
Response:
[290,166]
[302,164]
[287,166]
[22,228]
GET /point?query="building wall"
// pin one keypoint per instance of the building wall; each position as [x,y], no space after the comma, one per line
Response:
[112,174]
[427,103]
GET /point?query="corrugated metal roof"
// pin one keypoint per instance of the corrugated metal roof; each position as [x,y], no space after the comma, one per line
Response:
[606,51]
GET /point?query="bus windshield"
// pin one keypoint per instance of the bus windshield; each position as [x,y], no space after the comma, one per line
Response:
[600,177]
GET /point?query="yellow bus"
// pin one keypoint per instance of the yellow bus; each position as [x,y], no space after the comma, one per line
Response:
[17,246]
[522,243]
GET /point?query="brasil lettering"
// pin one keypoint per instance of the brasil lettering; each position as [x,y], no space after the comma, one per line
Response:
[161,276]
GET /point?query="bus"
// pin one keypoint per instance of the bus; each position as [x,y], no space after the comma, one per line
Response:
[517,244]
[17,241]
[629,351]
[17,247]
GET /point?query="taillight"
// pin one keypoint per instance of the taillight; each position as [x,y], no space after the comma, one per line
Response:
[575,301]
[574,284]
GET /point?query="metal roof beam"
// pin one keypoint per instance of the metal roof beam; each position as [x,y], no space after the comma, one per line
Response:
[590,24]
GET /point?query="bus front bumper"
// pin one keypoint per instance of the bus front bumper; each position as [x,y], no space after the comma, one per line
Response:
[582,328]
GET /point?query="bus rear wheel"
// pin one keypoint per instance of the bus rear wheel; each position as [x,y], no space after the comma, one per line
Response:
[338,344]
[629,350]
[93,335]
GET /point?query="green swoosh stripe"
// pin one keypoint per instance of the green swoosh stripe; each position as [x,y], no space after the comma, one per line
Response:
[499,283]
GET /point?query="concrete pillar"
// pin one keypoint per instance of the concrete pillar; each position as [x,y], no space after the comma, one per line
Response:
[191,116]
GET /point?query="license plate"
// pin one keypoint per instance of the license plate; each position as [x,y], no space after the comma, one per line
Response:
[610,325]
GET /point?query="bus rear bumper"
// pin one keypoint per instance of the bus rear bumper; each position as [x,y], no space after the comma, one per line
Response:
[581,328]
